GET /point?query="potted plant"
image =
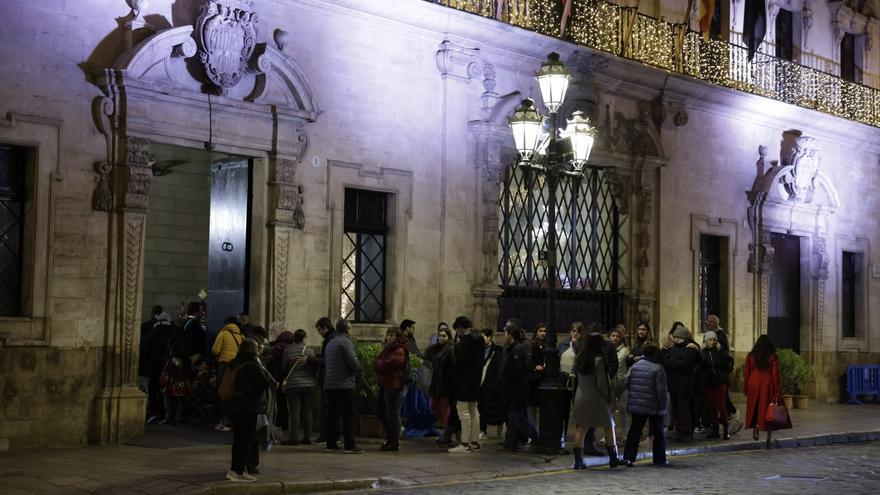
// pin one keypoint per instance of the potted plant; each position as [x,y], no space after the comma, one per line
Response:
[795,374]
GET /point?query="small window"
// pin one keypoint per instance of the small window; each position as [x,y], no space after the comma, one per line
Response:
[12,208]
[785,35]
[711,298]
[363,255]
[852,296]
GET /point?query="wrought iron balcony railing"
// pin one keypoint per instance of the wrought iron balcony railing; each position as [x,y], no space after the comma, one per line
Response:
[624,32]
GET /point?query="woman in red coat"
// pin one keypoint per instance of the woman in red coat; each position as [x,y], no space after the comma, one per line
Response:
[762,386]
[391,368]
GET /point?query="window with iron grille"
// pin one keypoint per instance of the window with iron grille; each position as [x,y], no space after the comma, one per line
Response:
[12,199]
[586,229]
[586,248]
[363,255]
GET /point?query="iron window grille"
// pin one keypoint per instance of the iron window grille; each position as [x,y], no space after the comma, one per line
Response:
[587,254]
[12,199]
[364,256]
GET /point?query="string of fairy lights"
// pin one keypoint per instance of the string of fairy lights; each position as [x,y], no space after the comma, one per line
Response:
[624,32]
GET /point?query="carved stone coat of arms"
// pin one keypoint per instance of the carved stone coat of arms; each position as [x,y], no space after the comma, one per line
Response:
[227,34]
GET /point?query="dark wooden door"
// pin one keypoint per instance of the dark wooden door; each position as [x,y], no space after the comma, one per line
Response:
[784,304]
[228,247]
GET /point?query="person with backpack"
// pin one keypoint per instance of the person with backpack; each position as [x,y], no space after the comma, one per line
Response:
[243,391]
[225,349]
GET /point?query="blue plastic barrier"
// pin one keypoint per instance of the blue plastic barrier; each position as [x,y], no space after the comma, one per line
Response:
[417,411]
[862,379]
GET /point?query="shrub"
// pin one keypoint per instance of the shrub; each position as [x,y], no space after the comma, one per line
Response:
[794,371]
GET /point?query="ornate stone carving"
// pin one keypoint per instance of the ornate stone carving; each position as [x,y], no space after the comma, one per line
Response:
[761,255]
[137,172]
[621,187]
[134,241]
[102,111]
[799,180]
[457,61]
[279,274]
[820,259]
[288,194]
[227,37]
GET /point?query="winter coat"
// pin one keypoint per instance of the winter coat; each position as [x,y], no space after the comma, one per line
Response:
[251,383]
[622,354]
[467,368]
[681,363]
[391,366]
[592,398]
[303,376]
[144,354]
[609,352]
[636,351]
[175,378]
[716,365]
[226,344]
[193,336]
[157,347]
[761,386]
[646,388]
[318,361]
[537,356]
[340,363]
[490,405]
[441,357]
[513,376]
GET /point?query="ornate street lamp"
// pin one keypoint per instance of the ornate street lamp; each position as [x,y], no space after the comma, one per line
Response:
[556,156]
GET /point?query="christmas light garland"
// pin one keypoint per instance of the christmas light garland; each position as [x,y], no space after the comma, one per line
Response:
[621,31]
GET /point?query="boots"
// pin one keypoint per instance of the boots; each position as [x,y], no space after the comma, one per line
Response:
[578,459]
[590,447]
[713,432]
[613,461]
[726,436]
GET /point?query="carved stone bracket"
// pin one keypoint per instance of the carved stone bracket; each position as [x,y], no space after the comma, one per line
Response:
[457,61]
[288,209]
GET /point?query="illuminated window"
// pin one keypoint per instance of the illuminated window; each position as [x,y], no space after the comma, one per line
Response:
[363,255]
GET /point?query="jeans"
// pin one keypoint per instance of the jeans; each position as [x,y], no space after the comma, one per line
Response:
[245,448]
[635,432]
[299,407]
[470,421]
[340,405]
[532,418]
[517,428]
[388,410]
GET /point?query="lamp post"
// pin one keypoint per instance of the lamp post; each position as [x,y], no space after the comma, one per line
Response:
[555,157]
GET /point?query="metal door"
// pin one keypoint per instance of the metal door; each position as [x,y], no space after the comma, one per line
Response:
[228,246]
[784,304]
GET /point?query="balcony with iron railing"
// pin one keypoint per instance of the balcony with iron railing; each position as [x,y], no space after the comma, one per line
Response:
[624,32]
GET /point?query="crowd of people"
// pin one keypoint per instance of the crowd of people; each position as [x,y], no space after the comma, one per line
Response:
[264,389]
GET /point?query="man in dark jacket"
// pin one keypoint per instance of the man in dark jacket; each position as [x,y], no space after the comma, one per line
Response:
[466,373]
[408,329]
[192,332]
[681,362]
[325,328]
[513,385]
[340,369]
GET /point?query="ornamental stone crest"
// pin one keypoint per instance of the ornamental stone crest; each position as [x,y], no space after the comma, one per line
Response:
[227,36]
[799,182]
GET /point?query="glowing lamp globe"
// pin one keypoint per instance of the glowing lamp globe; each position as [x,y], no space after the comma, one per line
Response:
[553,79]
[526,127]
[582,135]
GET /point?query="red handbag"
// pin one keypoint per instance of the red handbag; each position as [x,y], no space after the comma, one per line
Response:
[776,416]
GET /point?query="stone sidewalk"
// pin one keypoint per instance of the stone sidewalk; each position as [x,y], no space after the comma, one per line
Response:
[178,460]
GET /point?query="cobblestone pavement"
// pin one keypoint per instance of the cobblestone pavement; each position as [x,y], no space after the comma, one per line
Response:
[849,469]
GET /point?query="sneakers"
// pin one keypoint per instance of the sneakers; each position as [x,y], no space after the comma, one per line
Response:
[483,436]
[475,446]
[459,449]
[353,450]
[222,427]
[239,478]
[389,447]
[333,449]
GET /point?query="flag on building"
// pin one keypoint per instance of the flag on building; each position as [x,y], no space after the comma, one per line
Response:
[707,11]
[754,25]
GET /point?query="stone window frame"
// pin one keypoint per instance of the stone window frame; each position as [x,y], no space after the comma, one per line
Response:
[42,137]
[398,184]
[862,246]
[721,227]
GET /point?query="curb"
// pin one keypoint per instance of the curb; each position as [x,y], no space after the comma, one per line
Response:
[284,488]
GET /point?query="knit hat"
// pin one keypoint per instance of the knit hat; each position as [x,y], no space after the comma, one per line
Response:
[710,335]
[682,333]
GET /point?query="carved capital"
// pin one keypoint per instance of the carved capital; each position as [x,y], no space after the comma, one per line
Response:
[457,61]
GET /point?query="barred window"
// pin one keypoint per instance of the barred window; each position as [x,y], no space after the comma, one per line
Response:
[363,251]
[12,203]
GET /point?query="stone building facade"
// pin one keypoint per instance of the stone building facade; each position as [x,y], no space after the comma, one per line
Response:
[116,109]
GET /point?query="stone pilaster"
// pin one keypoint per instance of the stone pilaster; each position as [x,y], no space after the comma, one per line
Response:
[287,218]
